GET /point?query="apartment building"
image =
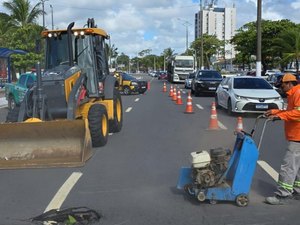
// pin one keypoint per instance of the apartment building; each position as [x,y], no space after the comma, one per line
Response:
[217,21]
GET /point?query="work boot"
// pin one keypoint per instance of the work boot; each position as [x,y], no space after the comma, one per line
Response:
[278,200]
[296,196]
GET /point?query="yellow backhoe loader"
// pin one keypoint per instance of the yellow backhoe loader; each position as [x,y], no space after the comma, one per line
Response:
[73,105]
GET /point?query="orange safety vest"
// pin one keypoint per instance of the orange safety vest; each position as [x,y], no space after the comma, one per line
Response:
[291,115]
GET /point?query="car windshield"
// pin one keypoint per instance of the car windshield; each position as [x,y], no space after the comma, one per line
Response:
[251,83]
[127,77]
[208,74]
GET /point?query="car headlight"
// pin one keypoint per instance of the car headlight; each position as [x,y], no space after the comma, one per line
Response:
[134,83]
[240,97]
[199,82]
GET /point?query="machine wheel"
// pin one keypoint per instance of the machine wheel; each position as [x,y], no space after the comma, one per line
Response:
[242,200]
[13,114]
[126,90]
[11,102]
[201,196]
[229,108]
[115,125]
[98,125]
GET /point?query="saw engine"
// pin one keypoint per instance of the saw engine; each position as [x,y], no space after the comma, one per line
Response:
[208,167]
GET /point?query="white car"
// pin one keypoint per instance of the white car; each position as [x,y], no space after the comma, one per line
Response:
[188,81]
[271,72]
[243,94]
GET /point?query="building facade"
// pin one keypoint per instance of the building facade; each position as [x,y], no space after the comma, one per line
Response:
[217,21]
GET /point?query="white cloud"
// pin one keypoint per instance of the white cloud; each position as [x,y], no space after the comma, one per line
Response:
[296,5]
[135,25]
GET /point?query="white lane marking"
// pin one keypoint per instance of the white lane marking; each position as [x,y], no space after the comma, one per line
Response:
[63,192]
[137,99]
[199,106]
[128,109]
[110,134]
[221,125]
[266,167]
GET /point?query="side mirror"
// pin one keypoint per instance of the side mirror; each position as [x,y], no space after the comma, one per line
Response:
[225,86]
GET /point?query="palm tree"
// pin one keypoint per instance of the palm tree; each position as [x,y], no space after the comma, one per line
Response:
[288,43]
[21,13]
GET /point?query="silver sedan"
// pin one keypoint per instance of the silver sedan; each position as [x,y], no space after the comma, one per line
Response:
[247,94]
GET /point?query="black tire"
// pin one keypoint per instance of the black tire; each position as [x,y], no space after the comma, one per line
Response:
[12,115]
[98,125]
[115,125]
[217,102]
[126,90]
[11,102]
[229,108]
[192,91]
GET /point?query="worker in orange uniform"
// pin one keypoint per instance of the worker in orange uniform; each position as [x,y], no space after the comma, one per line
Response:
[288,186]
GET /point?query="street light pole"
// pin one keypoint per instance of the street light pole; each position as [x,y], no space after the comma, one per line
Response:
[258,50]
[186,24]
[201,33]
[52,17]
[43,7]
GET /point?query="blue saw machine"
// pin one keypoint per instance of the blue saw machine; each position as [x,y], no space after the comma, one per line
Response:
[219,175]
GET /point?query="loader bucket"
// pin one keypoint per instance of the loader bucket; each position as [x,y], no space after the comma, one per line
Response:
[60,143]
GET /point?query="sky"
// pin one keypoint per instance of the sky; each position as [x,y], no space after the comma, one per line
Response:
[136,25]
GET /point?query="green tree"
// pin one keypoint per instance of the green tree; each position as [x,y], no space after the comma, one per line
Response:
[23,32]
[245,41]
[211,47]
[21,13]
[288,43]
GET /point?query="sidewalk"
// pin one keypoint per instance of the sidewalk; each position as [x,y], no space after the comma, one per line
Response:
[3,102]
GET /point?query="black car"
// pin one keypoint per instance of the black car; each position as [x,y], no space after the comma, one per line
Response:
[205,81]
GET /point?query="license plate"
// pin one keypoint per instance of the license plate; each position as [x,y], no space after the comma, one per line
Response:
[261,106]
[212,88]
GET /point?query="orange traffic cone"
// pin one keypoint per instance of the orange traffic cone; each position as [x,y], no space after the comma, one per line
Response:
[239,126]
[171,91]
[179,99]
[148,85]
[165,87]
[174,97]
[213,124]
[189,104]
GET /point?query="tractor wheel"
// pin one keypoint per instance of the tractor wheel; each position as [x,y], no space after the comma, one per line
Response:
[115,125]
[13,114]
[242,200]
[11,102]
[98,125]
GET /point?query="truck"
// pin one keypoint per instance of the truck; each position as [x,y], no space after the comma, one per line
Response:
[15,92]
[179,67]
[71,108]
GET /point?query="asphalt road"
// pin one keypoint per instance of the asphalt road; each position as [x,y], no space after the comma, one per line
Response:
[132,180]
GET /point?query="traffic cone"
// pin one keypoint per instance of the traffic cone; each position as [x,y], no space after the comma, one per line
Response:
[174,97]
[179,99]
[171,91]
[213,123]
[239,126]
[165,87]
[189,104]
[148,85]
